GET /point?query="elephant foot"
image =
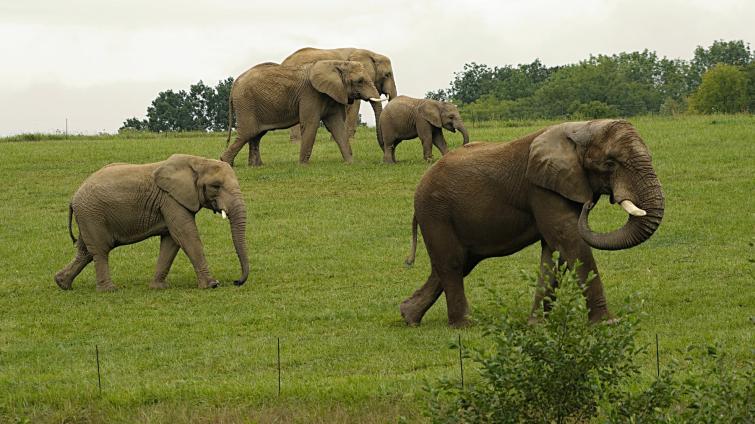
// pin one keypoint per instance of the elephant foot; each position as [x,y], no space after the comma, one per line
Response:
[459,322]
[411,316]
[62,282]
[535,320]
[255,164]
[229,161]
[601,315]
[106,287]
[210,284]
[429,160]
[158,285]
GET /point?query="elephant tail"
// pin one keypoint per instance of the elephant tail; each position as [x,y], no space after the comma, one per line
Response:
[230,117]
[70,221]
[413,251]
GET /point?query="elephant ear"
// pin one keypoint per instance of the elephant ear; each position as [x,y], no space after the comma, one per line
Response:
[327,78]
[555,161]
[178,178]
[430,111]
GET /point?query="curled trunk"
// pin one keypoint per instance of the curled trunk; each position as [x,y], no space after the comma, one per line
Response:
[237,218]
[637,229]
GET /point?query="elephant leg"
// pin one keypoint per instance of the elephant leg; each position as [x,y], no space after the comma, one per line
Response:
[294,134]
[308,134]
[546,283]
[352,116]
[425,134]
[230,153]
[557,219]
[447,261]
[183,230]
[102,272]
[254,150]
[389,151]
[64,278]
[168,250]
[336,124]
[439,141]
[415,307]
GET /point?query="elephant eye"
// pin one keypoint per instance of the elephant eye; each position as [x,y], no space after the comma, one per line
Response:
[610,164]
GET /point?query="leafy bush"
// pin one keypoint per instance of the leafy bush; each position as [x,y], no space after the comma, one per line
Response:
[567,370]
[723,90]
[557,371]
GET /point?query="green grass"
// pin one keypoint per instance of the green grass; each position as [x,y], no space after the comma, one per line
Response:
[327,243]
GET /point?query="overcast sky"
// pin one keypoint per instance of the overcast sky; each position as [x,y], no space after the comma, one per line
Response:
[98,62]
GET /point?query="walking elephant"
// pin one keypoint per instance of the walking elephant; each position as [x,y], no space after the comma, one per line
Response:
[124,204]
[406,118]
[378,68]
[493,199]
[271,96]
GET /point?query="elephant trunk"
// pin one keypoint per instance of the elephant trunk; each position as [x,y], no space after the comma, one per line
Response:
[377,107]
[389,89]
[642,222]
[237,218]
[464,133]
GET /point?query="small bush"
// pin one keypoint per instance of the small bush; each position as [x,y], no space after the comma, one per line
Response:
[567,370]
[554,372]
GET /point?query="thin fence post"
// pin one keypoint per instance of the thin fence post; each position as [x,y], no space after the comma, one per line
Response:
[99,378]
[461,363]
[279,366]
[657,356]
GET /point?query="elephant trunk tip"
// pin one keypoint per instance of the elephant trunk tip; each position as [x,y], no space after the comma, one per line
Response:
[240,282]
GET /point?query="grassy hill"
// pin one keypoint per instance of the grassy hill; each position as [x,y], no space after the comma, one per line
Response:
[326,244]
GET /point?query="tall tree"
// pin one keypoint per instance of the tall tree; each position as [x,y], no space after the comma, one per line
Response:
[728,52]
[723,90]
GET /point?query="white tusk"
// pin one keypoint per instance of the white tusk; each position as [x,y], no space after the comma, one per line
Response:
[378,99]
[632,209]
[222,214]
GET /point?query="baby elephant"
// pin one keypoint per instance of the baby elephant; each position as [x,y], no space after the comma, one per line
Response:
[405,118]
[123,204]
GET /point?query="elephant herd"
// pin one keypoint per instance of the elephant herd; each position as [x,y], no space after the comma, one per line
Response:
[479,201]
[317,85]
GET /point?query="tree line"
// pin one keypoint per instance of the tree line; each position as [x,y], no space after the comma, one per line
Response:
[718,79]
[201,108]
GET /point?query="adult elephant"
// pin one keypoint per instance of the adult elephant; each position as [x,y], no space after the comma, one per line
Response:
[406,118]
[378,68]
[123,204]
[493,199]
[271,96]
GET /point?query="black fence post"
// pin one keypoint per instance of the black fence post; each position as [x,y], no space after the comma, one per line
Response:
[99,378]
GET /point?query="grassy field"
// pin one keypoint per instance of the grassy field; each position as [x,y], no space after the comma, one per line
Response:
[327,243]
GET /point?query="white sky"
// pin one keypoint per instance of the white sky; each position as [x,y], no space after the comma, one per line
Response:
[98,62]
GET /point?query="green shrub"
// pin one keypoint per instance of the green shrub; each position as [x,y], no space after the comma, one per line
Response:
[566,370]
[557,371]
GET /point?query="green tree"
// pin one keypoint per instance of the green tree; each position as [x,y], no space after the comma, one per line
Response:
[218,105]
[133,124]
[723,90]
[440,95]
[729,52]
[168,112]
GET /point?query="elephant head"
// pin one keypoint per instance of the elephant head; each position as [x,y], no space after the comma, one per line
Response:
[197,183]
[380,70]
[343,81]
[584,160]
[443,115]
